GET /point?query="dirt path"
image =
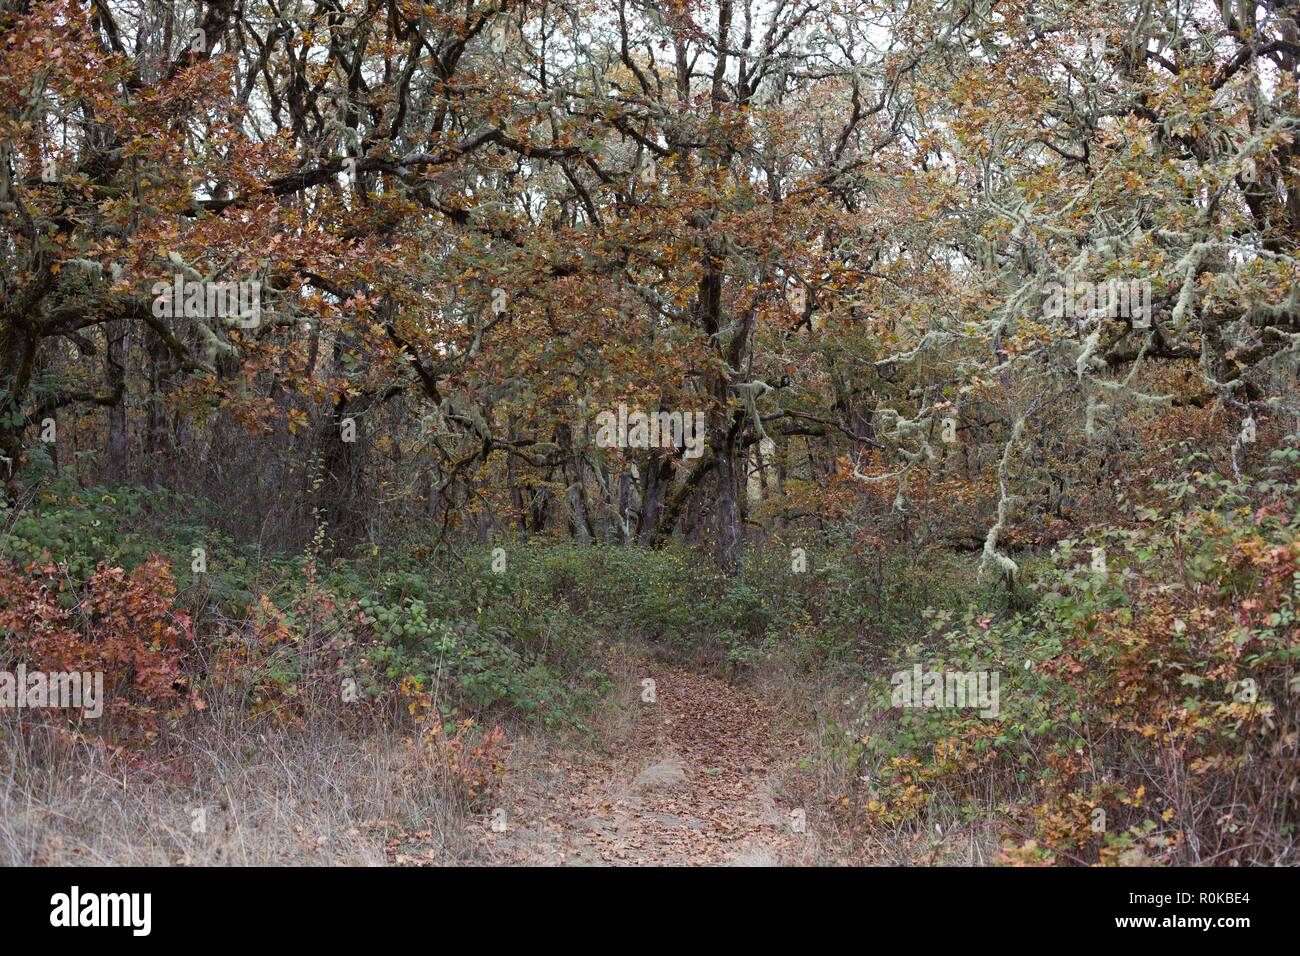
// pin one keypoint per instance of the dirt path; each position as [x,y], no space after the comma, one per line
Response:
[688,780]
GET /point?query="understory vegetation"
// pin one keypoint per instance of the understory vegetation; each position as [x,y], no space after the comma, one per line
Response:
[1147,711]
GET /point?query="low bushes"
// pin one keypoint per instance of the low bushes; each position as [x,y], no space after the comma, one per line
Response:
[1148,700]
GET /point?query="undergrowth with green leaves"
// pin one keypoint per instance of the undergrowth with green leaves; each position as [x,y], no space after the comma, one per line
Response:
[1147,698]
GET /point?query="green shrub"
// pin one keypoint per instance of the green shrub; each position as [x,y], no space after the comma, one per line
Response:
[1147,703]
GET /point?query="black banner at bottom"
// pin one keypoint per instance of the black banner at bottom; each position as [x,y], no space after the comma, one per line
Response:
[335,906]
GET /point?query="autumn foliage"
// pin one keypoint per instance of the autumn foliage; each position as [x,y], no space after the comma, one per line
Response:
[838,235]
[122,624]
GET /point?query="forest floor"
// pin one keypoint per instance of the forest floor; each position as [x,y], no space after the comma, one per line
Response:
[689,778]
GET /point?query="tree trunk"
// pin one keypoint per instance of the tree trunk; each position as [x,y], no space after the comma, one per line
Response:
[115,359]
[17,363]
[341,501]
[658,477]
[726,511]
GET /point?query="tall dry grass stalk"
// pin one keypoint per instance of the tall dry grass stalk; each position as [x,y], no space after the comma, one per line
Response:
[222,791]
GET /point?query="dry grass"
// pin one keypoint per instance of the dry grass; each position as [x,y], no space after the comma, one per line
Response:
[833,781]
[341,788]
[320,794]
[344,789]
